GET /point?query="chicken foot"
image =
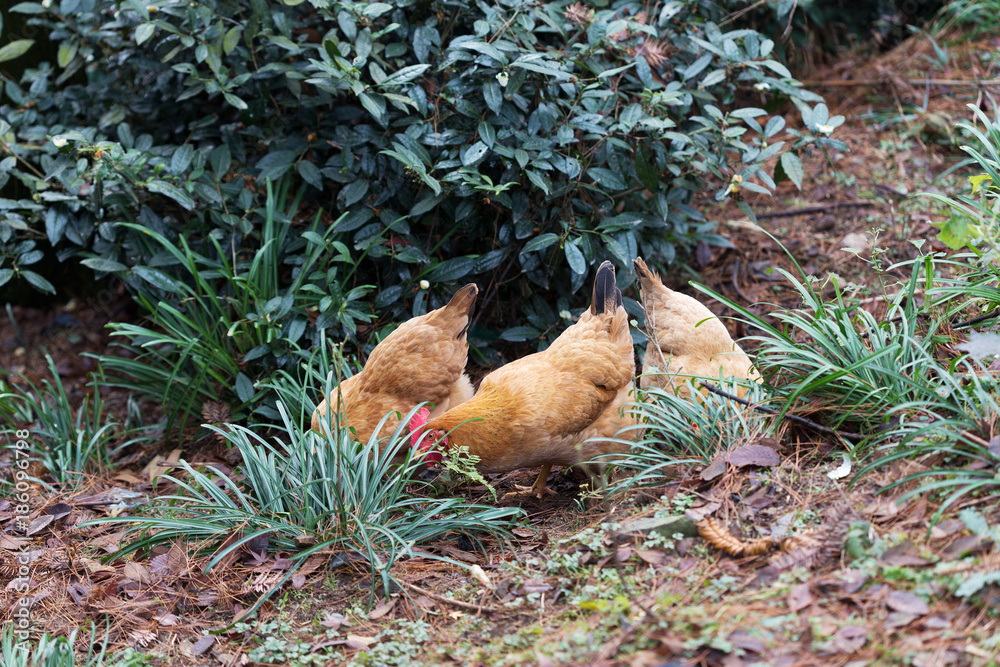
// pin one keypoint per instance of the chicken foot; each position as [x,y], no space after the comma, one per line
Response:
[539,488]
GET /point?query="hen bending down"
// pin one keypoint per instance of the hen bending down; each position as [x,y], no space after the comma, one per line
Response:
[422,360]
[685,339]
[542,409]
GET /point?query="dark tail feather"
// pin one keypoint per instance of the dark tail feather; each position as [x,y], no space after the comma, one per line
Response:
[606,296]
[465,301]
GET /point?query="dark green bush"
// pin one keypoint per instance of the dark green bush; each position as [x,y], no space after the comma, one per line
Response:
[514,145]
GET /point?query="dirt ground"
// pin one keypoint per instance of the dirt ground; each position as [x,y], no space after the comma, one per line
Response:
[584,585]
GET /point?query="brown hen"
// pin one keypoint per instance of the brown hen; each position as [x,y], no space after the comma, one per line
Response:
[685,339]
[422,360]
[541,410]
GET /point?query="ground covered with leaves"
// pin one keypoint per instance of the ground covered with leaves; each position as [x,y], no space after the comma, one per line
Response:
[770,549]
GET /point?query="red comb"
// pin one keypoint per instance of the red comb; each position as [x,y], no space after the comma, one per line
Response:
[424,450]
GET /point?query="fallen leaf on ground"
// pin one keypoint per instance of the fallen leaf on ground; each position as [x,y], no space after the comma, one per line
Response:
[747,642]
[715,468]
[202,645]
[754,455]
[799,597]
[906,602]
[38,524]
[332,621]
[898,619]
[359,642]
[651,556]
[137,572]
[13,543]
[382,609]
[850,639]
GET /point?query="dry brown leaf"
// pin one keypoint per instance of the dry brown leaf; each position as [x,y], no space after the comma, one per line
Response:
[232,554]
[382,609]
[425,602]
[359,642]
[305,540]
[715,468]
[747,642]
[802,556]
[38,524]
[882,508]
[898,619]
[333,621]
[79,592]
[459,554]
[850,639]
[536,586]
[137,572]
[239,613]
[93,567]
[799,597]
[59,510]
[202,645]
[166,619]
[906,602]
[161,465]
[754,455]
[651,556]
[127,477]
[13,543]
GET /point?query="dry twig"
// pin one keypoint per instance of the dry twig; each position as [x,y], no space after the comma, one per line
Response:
[847,435]
[479,608]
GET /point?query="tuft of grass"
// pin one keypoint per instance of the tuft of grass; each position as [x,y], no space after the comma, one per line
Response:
[974,225]
[950,433]
[836,356]
[675,431]
[69,443]
[232,320]
[883,378]
[349,496]
[59,652]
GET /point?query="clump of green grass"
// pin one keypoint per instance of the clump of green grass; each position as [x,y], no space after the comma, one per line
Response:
[350,497]
[884,383]
[60,652]
[677,431]
[69,442]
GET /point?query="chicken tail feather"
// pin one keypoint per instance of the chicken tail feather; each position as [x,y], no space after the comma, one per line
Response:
[647,278]
[607,297]
[465,301]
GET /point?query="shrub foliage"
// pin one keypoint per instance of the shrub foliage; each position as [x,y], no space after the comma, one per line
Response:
[514,144]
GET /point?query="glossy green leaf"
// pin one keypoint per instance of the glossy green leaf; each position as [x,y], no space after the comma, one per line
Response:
[15,49]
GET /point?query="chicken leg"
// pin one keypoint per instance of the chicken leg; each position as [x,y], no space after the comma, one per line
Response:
[539,488]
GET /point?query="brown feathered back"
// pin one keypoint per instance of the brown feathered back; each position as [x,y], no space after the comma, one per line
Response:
[685,338]
[541,409]
[422,360]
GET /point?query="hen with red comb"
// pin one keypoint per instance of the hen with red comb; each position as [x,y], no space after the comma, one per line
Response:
[423,360]
[423,441]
